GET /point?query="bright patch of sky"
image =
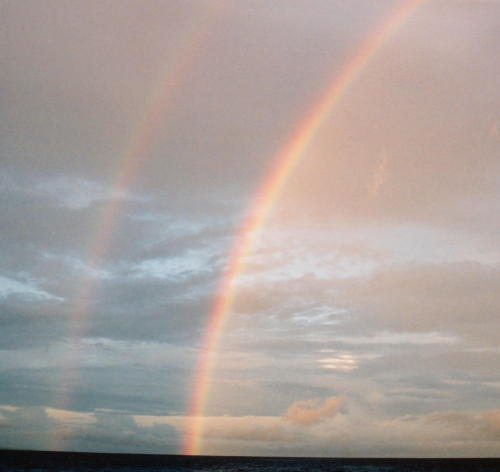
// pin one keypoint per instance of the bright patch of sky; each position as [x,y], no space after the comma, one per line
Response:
[344,362]
[79,267]
[71,192]
[194,261]
[76,193]
[10,286]
[320,315]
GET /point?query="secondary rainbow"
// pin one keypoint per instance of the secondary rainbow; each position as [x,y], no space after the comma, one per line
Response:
[133,157]
[132,160]
[282,166]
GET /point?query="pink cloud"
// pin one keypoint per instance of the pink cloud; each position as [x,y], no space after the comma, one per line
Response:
[313,410]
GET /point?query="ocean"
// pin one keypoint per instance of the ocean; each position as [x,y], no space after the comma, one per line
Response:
[13,461]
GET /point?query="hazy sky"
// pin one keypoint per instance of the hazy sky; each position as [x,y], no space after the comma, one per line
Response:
[133,136]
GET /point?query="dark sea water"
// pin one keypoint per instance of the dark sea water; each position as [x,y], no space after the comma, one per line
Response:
[82,462]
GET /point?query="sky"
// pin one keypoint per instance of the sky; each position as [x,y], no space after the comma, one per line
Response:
[365,318]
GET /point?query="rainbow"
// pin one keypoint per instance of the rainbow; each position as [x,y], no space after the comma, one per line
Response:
[129,166]
[135,153]
[282,166]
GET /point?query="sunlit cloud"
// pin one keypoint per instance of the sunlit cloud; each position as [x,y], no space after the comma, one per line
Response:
[312,411]
[343,362]
[70,417]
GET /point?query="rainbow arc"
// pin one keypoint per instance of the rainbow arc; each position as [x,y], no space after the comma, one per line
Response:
[282,166]
[130,165]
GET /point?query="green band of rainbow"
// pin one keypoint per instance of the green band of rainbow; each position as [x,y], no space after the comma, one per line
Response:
[283,164]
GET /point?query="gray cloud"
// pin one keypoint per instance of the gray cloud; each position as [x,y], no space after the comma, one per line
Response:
[119,433]
[103,431]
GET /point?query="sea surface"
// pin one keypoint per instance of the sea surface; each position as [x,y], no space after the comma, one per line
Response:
[13,461]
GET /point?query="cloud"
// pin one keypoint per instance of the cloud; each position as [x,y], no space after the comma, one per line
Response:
[70,417]
[118,432]
[29,427]
[457,299]
[312,411]
[100,431]
[484,425]
[68,191]
[28,290]
[331,432]
[344,362]
[264,429]
[388,337]
[31,322]
[353,431]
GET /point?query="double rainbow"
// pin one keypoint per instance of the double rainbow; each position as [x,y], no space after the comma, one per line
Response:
[283,164]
